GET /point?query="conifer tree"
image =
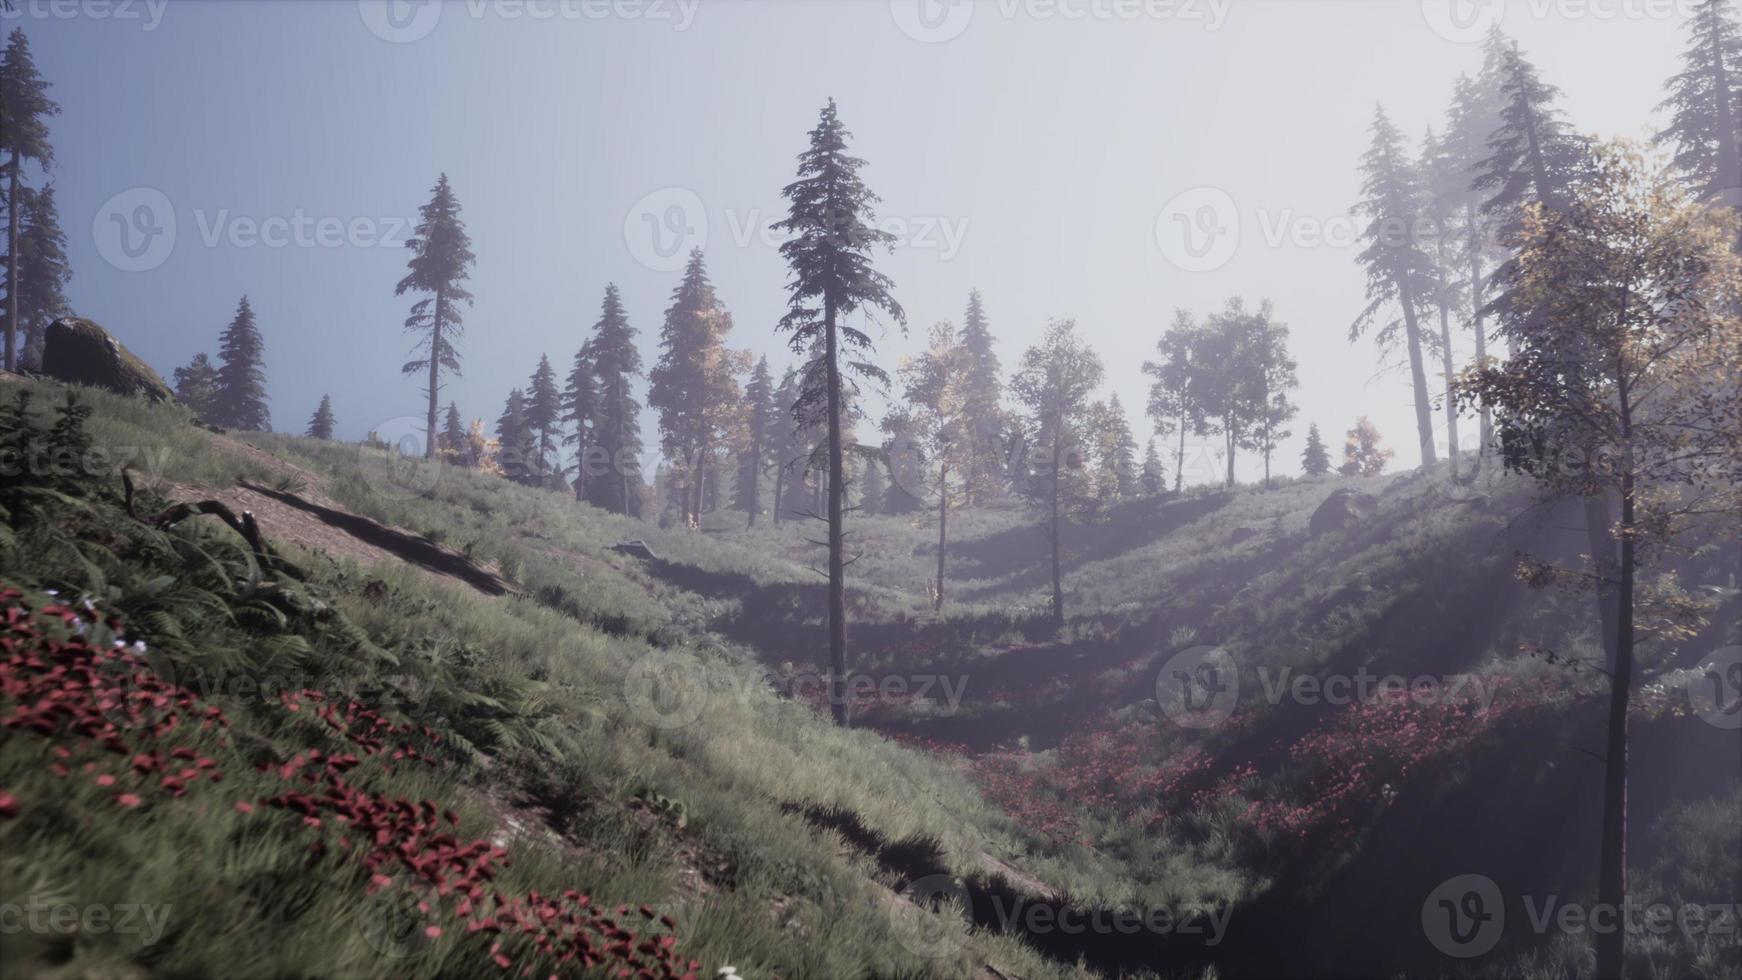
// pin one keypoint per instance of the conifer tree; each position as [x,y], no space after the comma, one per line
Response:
[196,386]
[1154,475]
[240,401]
[987,419]
[792,452]
[1315,460]
[456,447]
[875,486]
[581,409]
[1474,114]
[1054,382]
[1705,99]
[24,109]
[1118,451]
[1400,273]
[544,410]
[320,425]
[694,385]
[439,266]
[617,424]
[763,421]
[1534,156]
[43,272]
[834,232]
[1443,183]
[515,441]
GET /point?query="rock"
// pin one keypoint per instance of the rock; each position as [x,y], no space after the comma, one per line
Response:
[78,351]
[1344,509]
[635,549]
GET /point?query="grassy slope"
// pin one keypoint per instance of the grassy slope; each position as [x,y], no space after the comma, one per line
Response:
[701,816]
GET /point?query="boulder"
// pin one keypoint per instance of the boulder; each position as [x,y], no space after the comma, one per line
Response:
[635,549]
[80,352]
[1344,509]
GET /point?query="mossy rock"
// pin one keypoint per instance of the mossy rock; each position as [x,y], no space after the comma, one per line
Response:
[79,351]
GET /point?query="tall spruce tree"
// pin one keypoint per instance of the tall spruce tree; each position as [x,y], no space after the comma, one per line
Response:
[1705,100]
[544,412]
[1444,182]
[792,450]
[43,272]
[1118,451]
[834,232]
[320,425]
[24,110]
[616,427]
[515,441]
[1154,474]
[196,386]
[240,401]
[581,411]
[456,447]
[440,264]
[1315,459]
[1400,272]
[1054,382]
[694,385]
[987,421]
[1473,115]
[763,421]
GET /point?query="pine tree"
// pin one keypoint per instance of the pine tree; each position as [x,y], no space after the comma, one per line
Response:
[440,261]
[581,409]
[544,410]
[617,424]
[320,426]
[1119,451]
[43,272]
[456,447]
[515,441]
[1400,273]
[196,386]
[1474,114]
[905,451]
[1054,382]
[985,406]
[834,232]
[694,384]
[24,109]
[792,450]
[240,402]
[1705,98]
[1363,454]
[875,486]
[1443,184]
[1534,157]
[1315,460]
[764,413]
[1172,406]
[1154,475]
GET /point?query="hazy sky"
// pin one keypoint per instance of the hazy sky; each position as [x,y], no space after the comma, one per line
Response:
[1029,148]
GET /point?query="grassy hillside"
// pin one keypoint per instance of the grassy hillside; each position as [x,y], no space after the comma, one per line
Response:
[647,732]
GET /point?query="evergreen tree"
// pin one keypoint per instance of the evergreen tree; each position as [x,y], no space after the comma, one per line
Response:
[1400,273]
[197,386]
[1705,99]
[544,410]
[1118,451]
[1154,475]
[617,424]
[834,232]
[1443,184]
[516,443]
[1363,454]
[43,271]
[1315,460]
[793,450]
[875,487]
[694,384]
[905,451]
[1172,406]
[320,426]
[439,265]
[581,408]
[764,415]
[1054,382]
[987,420]
[1474,114]
[456,447]
[24,109]
[240,401]
[1534,157]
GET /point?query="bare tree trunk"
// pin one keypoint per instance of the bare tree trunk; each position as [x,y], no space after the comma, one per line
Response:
[1480,328]
[943,527]
[1424,416]
[1447,361]
[1058,572]
[435,367]
[837,537]
[12,262]
[1179,463]
[1612,865]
